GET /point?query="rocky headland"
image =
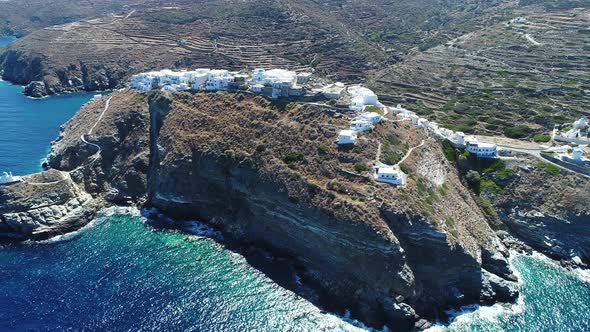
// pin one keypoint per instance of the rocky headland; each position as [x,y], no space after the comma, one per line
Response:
[270,174]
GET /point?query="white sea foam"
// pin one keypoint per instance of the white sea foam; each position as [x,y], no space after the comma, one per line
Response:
[199,229]
[71,235]
[102,214]
[474,312]
[584,275]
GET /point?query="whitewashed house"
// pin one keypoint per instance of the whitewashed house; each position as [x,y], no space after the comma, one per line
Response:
[282,81]
[458,139]
[362,97]
[334,91]
[482,150]
[390,174]
[577,154]
[218,79]
[361,125]
[198,78]
[8,178]
[303,78]
[347,137]
[372,117]
[581,123]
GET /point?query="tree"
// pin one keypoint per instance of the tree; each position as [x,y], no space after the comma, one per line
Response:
[473,180]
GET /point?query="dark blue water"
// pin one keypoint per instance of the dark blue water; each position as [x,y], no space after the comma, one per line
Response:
[27,126]
[122,275]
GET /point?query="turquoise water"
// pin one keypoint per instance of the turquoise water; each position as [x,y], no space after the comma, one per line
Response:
[122,275]
[552,299]
[27,126]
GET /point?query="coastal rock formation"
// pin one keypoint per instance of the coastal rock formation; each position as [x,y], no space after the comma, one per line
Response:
[45,204]
[36,89]
[549,212]
[269,174]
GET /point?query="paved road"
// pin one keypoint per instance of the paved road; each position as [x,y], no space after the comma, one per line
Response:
[537,154]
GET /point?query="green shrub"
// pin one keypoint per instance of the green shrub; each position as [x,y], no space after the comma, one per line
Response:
[493,165]
[541,138]
[404,168]
[448,150]
[490,186]
[294,198]
[359,168]
[549,168]
[323,148]
[374,109]
[391,158]
[473,180]
[519,131]
[331,102]
[505,173]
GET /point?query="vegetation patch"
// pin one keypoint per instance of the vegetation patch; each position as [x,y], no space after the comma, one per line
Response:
[549,168]
[539,138]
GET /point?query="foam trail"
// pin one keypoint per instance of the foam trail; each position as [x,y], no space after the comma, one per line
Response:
[102,215]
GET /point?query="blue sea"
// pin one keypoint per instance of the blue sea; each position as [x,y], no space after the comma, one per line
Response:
[121,274]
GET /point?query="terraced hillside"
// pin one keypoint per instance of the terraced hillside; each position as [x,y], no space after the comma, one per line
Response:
[515,78]
[341,40]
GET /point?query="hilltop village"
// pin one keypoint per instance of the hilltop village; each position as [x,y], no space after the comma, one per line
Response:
[304,87]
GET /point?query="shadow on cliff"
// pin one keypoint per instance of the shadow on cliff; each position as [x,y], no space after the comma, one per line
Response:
[446,276]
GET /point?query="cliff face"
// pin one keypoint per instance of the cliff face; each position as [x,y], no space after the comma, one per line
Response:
[549,212]
[272,174]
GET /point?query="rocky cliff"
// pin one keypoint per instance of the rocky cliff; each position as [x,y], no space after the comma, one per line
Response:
[100,158]
[270,174]
[549,211]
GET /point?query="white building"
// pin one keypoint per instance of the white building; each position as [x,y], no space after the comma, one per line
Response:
[372,117]
[581,123]
[391,175]
[303,78]
[362,97]
[458,139]
[334,91]
[7,178]
[218,79]
[482,150]
[361,125]
[347,137]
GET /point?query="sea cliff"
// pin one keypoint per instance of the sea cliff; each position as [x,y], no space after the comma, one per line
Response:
[269,174]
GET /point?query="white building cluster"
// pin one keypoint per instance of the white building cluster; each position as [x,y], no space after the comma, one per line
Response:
[274,82]
[363,122]
[7,178]
[457,139]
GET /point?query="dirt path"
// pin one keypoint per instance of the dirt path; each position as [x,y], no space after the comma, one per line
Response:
[409,153]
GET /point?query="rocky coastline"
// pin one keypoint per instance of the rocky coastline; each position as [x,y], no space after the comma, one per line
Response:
[369,258]
[398,257]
